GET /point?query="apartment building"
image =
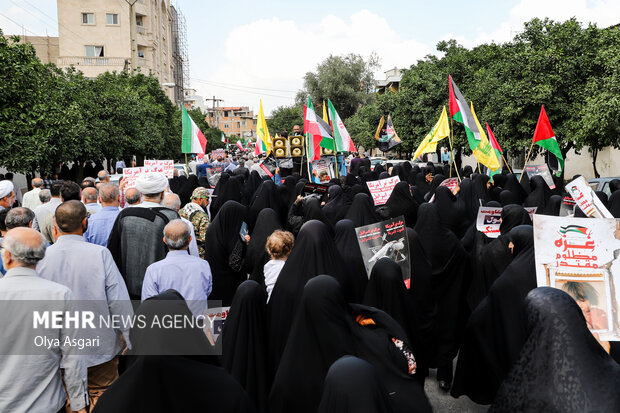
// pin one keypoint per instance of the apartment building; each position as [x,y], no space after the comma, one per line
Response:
[95,37]
[233,121]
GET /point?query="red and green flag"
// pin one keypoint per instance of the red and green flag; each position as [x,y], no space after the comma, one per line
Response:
[192,139]
[316,131]
[545,138]
[460,112]
[342,139]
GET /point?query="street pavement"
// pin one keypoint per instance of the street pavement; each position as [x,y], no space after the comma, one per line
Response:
[443,402]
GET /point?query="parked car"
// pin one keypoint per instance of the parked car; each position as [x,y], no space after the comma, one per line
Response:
[601,184]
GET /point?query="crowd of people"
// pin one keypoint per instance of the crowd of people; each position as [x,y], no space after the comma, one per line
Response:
[308,330]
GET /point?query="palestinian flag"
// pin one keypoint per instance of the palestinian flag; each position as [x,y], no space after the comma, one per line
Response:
[192,139]
[544,137]
[316,131]
[574,228]
[460,112]
[342,139]
[386,136]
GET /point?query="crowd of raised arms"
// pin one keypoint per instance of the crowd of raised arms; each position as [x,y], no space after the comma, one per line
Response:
[307,329]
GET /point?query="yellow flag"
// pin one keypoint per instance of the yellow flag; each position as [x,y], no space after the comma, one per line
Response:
[261,128]
[325,118]
[484,152]
[439,132]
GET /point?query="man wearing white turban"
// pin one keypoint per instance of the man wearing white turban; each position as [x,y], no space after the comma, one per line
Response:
[7,194]
[152,186]
[136,238]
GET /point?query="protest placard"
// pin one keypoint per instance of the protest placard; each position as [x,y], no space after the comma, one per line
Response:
[310,188]
[543,171]
[489,220]
[326,165]
[450,183]
[567,207]
[385,239]
[586,199]
[582,257]
[215,319]
[382,189]
[218,152]
[166,166]
[130,175]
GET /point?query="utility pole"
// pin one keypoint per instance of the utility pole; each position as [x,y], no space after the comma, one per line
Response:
[133,34]
[216,112]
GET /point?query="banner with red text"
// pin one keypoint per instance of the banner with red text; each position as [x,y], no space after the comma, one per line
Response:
[582,257]
[382,189]
[489,220]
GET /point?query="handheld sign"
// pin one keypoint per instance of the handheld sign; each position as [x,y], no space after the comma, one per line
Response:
[489,220]
[581,256]
[310,188]
[166,167]
[450,183]
[586,199]
[385,239]
[382,189]
[543,171]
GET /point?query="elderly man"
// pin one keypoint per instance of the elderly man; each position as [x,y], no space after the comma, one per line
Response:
[103,176]
[89,271]
[195,212]
[180,271]
[7,194]
[135,241]
[44,196]
[100,224]
[88,182]
[19,217]
[31,198]
[132,198]
[173,202]
[33,383]
[42,211]
[68,191]
[89,199]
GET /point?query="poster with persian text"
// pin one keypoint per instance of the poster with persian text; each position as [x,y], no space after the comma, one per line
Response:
[581,256]
[381,189]
[385,239]
[489,220]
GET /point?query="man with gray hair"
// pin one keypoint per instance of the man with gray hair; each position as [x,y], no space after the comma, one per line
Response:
[19,217]
[31,381]
[104,176]
[100,224]
[31,198]
[89,199]
[173,202]
[44,196]
[89,271]
[180,271]
[132,197]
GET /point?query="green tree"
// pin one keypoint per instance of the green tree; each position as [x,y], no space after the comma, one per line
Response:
[284,118]
[347,80]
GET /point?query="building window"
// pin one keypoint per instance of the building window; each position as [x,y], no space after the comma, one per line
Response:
[226,126]
[141,54]
[139,21]
[94,51]
[111,18]
[88,18]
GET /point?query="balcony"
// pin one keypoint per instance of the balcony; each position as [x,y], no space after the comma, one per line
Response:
[91,61]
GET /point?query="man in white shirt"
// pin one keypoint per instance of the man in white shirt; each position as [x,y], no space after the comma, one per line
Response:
[31,198]
[31,379]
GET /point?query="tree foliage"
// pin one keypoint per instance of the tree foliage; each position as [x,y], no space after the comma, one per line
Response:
[49,116]
[348,81]
[284,118]
[572,69]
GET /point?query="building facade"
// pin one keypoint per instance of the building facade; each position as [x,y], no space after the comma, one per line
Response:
[94,36]
[391,81]
[233,121]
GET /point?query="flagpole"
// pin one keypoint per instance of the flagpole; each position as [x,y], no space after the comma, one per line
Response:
[308,159]
[527,158]
[452,161]
[506,162]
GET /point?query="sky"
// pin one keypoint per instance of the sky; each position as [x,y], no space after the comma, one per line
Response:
[243,50]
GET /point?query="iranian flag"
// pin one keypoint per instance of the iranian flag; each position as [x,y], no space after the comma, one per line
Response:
[192,141]
[342,139]
[315,131]
[224,140]
[460,112]
[544,137]
[241,148]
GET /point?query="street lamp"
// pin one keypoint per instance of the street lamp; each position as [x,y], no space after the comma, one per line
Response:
[132,34]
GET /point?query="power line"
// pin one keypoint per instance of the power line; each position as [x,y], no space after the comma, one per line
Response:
[19,25]
[244,91]
[246,87]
